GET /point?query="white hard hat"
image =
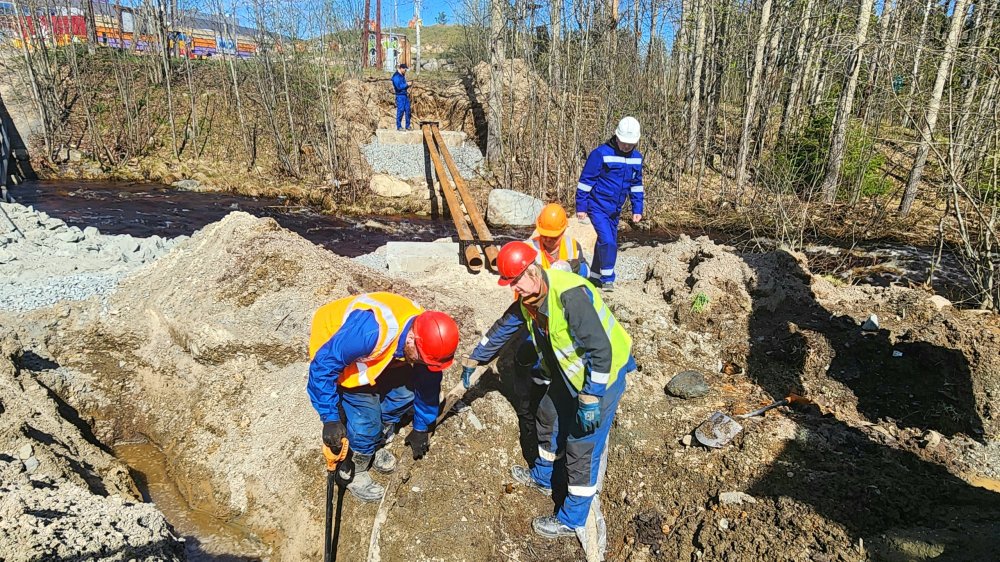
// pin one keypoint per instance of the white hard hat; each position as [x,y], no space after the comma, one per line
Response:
[628,130]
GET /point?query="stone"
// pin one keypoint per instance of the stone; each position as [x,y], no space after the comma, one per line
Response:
[417,257]
[431,65]
[870,325]
[385,185]
[70,236]
[931,439]
[724,524]
[74,155]
[940,302]
[187,185]
[510,208]
[91,232]
[736,498]
[688,384]
[25,451]
[31,464]
[686,440]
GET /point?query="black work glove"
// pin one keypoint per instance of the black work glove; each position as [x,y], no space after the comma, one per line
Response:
[333,433]
[417,440]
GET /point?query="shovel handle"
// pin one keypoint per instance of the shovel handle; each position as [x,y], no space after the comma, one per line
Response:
[333,460]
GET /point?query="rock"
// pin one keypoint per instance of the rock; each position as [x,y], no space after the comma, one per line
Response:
[688,384]
[187,185]
[91,232]
[939,302]
[431,65]
[74,155]
[931,439]
[7,257]
[724,524]
[25,451]
[686,440]
[736,498]
[870,325]
[31,464]
[385,185]
[510,208]
[70,236]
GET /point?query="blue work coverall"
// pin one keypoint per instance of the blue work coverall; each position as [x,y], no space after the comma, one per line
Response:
[608,178]
[557,427]
[401,89]
[367,408]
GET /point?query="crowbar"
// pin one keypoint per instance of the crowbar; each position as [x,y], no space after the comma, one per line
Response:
[332,536]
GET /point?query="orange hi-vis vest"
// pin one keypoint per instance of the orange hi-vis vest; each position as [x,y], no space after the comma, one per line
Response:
[568,250]
[392,313]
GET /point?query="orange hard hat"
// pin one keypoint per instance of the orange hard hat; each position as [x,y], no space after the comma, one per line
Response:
[436,337]
[513,259]
[552,220]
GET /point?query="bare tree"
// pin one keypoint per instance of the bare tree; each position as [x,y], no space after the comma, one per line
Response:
[753,92]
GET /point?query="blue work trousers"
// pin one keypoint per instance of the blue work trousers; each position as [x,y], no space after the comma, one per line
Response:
[367,408]
[402,108]
[606,248]
[586,453]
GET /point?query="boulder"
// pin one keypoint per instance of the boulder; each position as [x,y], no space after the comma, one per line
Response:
[187,185]
[940,302]
[385,185]
[510,208]
[688,384]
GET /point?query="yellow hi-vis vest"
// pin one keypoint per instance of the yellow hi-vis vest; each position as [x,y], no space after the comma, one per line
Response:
[570,358]
[392,313]
[567,251]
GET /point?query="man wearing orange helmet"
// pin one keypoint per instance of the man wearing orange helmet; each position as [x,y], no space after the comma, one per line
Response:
[586,354]
[553,244]
[373,357]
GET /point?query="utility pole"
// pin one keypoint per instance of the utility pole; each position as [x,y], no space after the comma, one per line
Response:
[416,18]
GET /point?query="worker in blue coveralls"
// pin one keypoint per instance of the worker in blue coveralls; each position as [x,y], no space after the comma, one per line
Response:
[613,172]
[372,358]
[585,354]
[402,90]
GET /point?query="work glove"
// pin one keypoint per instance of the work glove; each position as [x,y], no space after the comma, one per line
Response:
[589,414]
[417,440]
[468,367]
[333,434]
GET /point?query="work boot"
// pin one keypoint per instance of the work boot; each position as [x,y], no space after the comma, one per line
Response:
[384,461]
[362,486]
[522,475]
[608,287]
[551,527]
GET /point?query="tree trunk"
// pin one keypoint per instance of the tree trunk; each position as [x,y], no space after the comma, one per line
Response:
[845,104]
[680,48]
[753,92]
[694,108]
[915,73]
[934,106]
[798,73]
[495,116]
[963,135]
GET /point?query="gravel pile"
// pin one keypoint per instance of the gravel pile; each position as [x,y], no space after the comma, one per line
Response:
[407,160]
[630,268]
[44,261]
[375,260]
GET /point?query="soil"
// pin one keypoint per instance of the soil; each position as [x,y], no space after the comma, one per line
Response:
[203,353]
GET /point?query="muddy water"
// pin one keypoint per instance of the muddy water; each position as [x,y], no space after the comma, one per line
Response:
[207,538]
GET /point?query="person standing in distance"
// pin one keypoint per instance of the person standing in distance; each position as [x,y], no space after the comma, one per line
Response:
[613,172]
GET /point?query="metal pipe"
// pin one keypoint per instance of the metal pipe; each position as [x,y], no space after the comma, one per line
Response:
[470,204]
[473,257]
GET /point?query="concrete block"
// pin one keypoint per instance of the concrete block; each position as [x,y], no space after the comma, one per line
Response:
[416,136]
[419,257]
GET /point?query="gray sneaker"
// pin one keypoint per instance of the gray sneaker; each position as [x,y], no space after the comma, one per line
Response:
[522,475]
[551,527]
[364,488]
[608,287]
[384,461]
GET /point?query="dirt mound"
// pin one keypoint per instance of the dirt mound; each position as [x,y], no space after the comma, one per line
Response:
[61,495]
[204,353]
[370,104]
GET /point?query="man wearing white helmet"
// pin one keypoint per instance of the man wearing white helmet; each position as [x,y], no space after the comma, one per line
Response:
[613,172]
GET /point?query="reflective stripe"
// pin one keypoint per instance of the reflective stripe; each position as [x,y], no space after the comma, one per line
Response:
[484,341]
[608,271]
[594,274]
[600,378]
[546,455]
[637,189]
[584,187]
[616,159]
[584,491]
[362,373]
[388,318]
[633,160]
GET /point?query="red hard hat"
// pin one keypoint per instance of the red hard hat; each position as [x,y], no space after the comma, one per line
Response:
[436,337]
[513,259]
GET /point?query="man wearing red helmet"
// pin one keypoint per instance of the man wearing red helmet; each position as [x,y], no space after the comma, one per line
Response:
[586,354]
[373,357]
